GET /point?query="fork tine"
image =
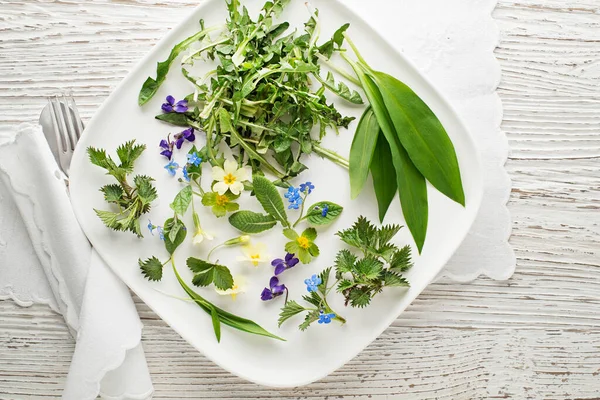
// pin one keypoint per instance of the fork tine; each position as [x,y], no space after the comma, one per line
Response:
[78,122]
[62,123]
[69,122]
[61,143]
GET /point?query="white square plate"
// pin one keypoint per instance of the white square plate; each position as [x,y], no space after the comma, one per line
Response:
[305,356]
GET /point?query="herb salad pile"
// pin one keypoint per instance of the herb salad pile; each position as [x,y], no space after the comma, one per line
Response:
[265,100]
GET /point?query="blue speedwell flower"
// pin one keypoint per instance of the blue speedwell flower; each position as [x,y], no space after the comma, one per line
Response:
[194,159]
[307,187]
[312,283]
[280,265]
[186,176]
[274,290]
[161,233]
[324,210]
[151,227]
[172,167]
[293,196]
[325,318]
[171,106]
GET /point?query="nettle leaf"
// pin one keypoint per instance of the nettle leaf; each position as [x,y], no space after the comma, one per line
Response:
[112,193]
[387,233]
[314,299]
[152,268]
[311,317]
[182,201]
[344,262]
[344,285]
[206,273]
[128,153]
[145,189]
[108,218]
[394,279]
[315,213]
[401,260]
[251,222]
[270,199]
[369,268]
[359,297]
[290,309]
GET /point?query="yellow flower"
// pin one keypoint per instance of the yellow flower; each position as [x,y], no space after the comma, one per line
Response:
[230,177]
[239,286]
[254,253]
[303,242]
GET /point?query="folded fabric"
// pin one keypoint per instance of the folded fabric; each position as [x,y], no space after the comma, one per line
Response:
[47,259]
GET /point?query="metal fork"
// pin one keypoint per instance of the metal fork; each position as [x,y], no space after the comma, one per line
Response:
[67,127]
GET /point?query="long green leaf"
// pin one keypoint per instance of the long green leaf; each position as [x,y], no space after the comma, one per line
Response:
[385,182]
[214,315]
[229,319]
[362,150]
[270,199]
[411,184]
[422,135]
[251,222]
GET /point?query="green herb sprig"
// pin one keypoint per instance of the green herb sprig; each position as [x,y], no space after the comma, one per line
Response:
[381,265]
[131,200]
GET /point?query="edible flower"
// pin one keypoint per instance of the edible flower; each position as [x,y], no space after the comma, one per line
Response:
[200,234]
[161,233]
[194,159]
[303,245]
[282,265]
[325,318]
[312,283]
[254,253]
[167,147]
[220,204]
[181,137]
[170,105]
[324,210]
[307,187]
[294,198]
[172,167]
[230,177]
[239,286]
[151,227]
[186,176]
[274,290]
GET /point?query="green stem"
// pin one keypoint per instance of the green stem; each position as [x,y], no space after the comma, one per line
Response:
[213,249]
[300,217]
[354,48]
[337,69]
[331,155]
[337,316]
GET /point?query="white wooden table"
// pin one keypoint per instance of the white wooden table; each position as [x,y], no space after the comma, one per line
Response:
[535,336]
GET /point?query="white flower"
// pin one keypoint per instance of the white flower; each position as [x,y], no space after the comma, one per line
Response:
[239,286]
[200,235]
[256,253]
[230,177]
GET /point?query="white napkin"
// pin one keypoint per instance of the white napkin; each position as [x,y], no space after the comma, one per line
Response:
[46,258]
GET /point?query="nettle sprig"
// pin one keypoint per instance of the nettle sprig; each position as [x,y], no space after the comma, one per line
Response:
[131,200]
[319,310]
[381,265]
[267,194]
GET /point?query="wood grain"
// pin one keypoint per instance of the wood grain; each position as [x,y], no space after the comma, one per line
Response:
[536,336]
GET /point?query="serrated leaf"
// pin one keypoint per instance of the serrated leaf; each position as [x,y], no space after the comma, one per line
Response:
[251,222]
[324,276]
[394,279]
[315,213]
[344,261]
[206,273]
[368,267]
[359,297]
[313,298]
[225,121]
[112,193]
[128,153]
[145,189]
[182,201]
[387,233]
[401,260]
[223,279]
[290,309]
[109,218]
[152,268]
[344,284]
[309,319]
[270,199]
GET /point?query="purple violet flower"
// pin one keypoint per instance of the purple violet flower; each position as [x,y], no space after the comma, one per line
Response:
[307,187]
[171,106]
[325,318]
[280,265]
[182,136]
[167,147]
[274,290]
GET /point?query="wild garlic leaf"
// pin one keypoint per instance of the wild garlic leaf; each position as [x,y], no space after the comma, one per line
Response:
[290,309]
[152,268]
[214,315]
[382,170]
[362,151]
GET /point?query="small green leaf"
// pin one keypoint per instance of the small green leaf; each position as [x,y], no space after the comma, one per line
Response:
[251,222]
[225,121]
[315,213]
[270,199]
[290,309]
[344,261]
[172,244]
[222,277]
[311,317]
[182,201]
[214,315]
[310,234]
[290,234]
[112,193]
[359,297]
[293,248]
[314,250]
[206,273]
[177,119]
[152,269]
[401,260]
[394,279]
[368,267]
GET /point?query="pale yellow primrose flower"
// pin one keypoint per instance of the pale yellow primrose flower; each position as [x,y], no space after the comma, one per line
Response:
[239,286]
[200,235]
[255,253]
[230,177]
